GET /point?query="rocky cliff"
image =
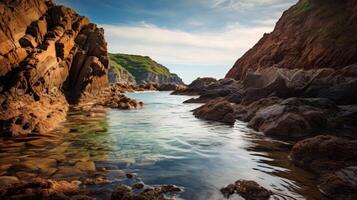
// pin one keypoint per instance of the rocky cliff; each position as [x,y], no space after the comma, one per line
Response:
[299,83]
[49,57]
[312,34]
[142,68]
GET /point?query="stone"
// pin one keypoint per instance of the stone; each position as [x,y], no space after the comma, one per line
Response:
[87,166]
[217,110]
[34,165]
[324,153]
[122,192]
[247,189]
[7,180]
[341,184]
[137,186]
[67,173]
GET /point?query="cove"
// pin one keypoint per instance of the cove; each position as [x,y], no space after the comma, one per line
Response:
[161,143]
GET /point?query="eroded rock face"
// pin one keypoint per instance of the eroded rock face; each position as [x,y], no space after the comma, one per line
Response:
[49,56]
[312,34]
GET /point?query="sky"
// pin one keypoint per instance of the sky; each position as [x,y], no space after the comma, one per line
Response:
[193,38]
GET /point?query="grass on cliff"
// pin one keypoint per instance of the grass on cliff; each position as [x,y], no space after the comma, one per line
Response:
[302,6]
[138,65]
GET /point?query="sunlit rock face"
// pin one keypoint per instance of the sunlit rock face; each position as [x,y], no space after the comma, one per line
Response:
[49,56]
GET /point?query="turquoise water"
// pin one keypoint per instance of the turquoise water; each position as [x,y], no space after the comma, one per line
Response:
[163,143]
[167,144]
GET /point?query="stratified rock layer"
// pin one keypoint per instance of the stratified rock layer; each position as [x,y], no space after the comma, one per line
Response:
[50,56]
[312,34]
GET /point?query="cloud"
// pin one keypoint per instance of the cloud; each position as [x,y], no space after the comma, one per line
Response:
[246,4]
[180,47]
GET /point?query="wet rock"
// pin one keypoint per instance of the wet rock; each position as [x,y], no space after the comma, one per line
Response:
[137,186]
[26,175]
[87,166]
[122,192]
[129,176]
[341,184]
[217,110]
[7,180]
[97,181]
[324,153]
[247,189]
[34,165]
[40,189]
[68,173]
[170,188]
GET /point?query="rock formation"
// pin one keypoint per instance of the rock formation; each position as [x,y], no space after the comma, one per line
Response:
[296,83]
[142,68]
[49,56]
[312,34]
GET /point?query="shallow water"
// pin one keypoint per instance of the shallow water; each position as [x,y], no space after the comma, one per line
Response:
[164,144]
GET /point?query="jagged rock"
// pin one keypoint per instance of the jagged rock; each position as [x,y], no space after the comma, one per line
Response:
[247,189]
[43,43]
[324,153]
[312,34]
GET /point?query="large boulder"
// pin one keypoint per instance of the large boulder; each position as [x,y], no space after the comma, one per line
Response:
[217,110]
[324,153]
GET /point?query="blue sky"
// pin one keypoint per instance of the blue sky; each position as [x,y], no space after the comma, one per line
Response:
[193,38]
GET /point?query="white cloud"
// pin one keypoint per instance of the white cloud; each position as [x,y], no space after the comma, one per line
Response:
[245,4]
[180,47]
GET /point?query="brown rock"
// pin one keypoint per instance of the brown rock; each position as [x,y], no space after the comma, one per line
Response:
[247,189]
[324,153]
[341,184]
[293,43]
[8,180]
[87,166]
[217,110]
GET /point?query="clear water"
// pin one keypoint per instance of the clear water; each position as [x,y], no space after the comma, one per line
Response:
[165,144]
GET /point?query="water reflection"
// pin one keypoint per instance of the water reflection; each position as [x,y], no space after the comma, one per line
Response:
[164,144]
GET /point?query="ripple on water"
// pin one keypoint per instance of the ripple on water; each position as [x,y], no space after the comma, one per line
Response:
[165,144]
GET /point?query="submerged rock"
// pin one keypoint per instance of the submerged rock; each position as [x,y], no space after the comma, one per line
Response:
[249,190]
